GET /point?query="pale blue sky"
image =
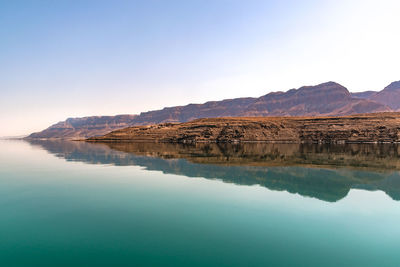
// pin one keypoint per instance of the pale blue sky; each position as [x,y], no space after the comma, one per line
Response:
[62,59]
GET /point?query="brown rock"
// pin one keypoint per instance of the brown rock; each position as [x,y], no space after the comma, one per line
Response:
[379,127]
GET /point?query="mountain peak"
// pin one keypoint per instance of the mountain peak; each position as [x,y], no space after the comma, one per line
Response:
[331,83]
[389,96]
[327,86]
[394,86]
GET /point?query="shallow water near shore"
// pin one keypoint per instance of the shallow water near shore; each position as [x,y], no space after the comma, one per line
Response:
[76,203]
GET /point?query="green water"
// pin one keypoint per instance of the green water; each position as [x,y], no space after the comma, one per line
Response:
[79,204]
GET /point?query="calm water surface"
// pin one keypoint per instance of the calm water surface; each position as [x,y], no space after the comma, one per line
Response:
[80,204]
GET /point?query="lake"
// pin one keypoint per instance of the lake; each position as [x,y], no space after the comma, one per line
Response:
[136,204]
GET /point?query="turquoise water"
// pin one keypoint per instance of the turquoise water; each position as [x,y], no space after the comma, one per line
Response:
[78,204]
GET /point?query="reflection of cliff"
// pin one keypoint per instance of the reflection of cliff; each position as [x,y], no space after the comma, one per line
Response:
[323,172]
[360,156]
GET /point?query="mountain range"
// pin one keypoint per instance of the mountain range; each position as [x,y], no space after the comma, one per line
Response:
[326,99]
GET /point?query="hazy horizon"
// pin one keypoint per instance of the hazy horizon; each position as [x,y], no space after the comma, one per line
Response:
[63,59]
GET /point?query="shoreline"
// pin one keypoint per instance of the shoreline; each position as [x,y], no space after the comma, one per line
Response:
[357,129]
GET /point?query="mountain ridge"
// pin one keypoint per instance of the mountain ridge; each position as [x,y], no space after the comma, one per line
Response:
[390,95]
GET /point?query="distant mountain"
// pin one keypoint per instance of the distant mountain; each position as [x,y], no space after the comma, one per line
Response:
[389,96]
[85,127]
[327,99]
[363,95]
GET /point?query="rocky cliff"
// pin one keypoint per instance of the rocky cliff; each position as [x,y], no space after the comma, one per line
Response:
[379,127]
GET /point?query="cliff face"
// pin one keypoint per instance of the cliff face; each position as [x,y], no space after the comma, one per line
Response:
[381,127]
[212,109]
[327,99]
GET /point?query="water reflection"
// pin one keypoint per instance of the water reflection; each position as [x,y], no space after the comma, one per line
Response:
[325,172]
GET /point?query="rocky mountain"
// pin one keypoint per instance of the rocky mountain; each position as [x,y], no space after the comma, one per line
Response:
[389,96]
[327,99]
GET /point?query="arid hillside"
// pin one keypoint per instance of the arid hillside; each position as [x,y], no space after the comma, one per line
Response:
[380,127]
[389,96]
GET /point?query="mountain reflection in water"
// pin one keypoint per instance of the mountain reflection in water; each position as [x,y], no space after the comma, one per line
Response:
[325,172]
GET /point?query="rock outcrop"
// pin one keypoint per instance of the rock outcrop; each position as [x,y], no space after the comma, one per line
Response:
[379,127]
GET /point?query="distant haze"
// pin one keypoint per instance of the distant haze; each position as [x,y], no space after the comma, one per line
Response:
[62,59]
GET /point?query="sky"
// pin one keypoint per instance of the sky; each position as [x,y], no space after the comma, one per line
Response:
[70,58]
